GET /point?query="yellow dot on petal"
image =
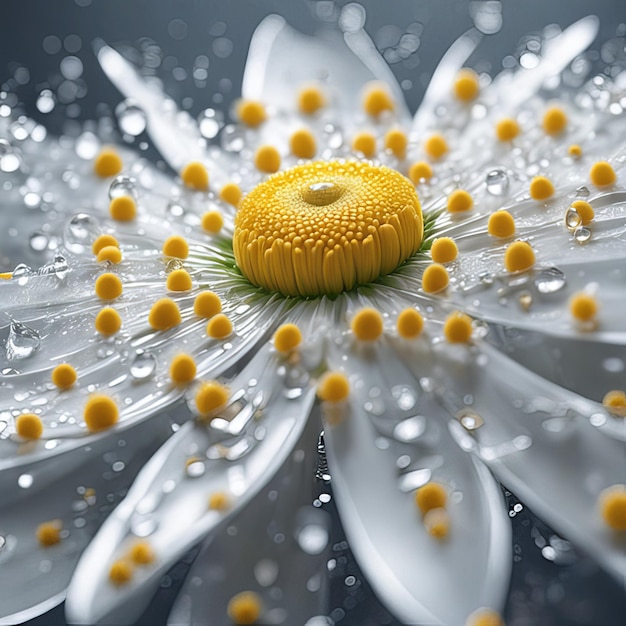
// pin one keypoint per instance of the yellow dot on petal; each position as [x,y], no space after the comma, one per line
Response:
[501,224]
[108,321]
[231,193]
[212,222]
[583,307]
[377,100]
[109,254]
[554,121]
[458,328]
[431,496]
[602,174]
[164,314]
[176,247]
[182,369]
[141,553]
[435,146]
[435,278]
[102,242]
[367,324]
[107,163]
[410,324]
[251,113]
[396,141]
[100,412]
[49,533]
[365,143]
[108,286]
[195,176]
[519,257]
[64,376]
[575,151]
[219,501]
[29,426]
[310,99]
[507,129]
[437,523]
[267,159]
[584,210]
[484,617]
[179,280]
[541,188]
[333,387]
[444,250]
[207,304]
[302,144]
[466,85]
[219,327]
[245,608]
[420,170]
[210,397]
[287,338]
[459,201]
[613,507]
[121,572]
[615,402]
[123,208]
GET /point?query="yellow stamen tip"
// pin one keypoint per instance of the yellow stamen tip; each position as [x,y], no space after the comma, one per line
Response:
[602,174]
[108,163]
[251,113]
[519,257]
[410,324]
[287,338]
[100,413]
[396,141]
[420,171]
[501,224]
[102,242]
[367,324]
[613,507]
[176,247]
[49,533]
[615,402]
[64,376]
[484,617]
[333,387]
[108,321]
[121,572]
[435,278]
[195,176]
[507,129]
[210,398]
[302,144]
[458,328]
[267,159]
[575,151]
[108,286]
[207,304]
[219,501]
[444,250]
[541,188]
[164,314]
[431,496]
[245,608]
[141,553]
[554,121]
[459,201]
[365,143]
[435,146]
[123,208]
[584,210]
[583,307]
[212,222]
[219,327]
[310,99]
[29,426]
[231,194]
[182,369]
[466,85]
[109,254]
[377,100]
[179,280]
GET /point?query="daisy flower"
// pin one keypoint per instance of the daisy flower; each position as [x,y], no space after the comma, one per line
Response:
[413,309]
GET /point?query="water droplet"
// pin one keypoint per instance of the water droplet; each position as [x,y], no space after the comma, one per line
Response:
[333,136]
[45,101]
[59,267]
[410,429]
[210,122]
[497,182]
[312,538]
[195,468]
[233,138]
[414,479]
[32,199]
[572,218]
[613,365]
[143,366]
[38,241]
[583,192]
[87,145]
[22,273]
[10,159]
[131,118]
[80,232]
[470,420]
[22,342]
[582,235]
[25,481]
[266,572]
[525,300]
[175,210]
[143,525]
[405,397]
[123,186]
[550,280]
[321,472]
[486,278]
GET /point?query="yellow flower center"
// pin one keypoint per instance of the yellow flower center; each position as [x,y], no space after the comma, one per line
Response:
[325,227]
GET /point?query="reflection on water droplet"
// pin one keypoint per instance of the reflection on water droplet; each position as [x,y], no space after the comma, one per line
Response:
[469,419]
[405,397]
[59,267]
[143,366]
[410,429]
[497,182]
[123,186]
[583,192]
[582,235]
[10,159]
[175,210]
[87,145]
[131,118]
[32,199]
[80,232]
[210,122]
[22,342]
[572,218]
[21,273]
[550,280]
[45,102]
[195,469]
[414,479]
[38,241]
[25,481]
[312,538]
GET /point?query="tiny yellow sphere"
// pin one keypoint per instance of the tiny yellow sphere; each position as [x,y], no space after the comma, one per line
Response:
[444,250]
[554,121]
[219,327]
[420,171]
[541,188]
[219,501]
[575,151]
[210,397]
[245,608]
[484,617]
[121,572]
[365,143]
[435,146]
[519,257]
[613,507]
[501,224]
[231,194]
[583,307]
[507,129]
[49,533]
[466,85]
[377,100]
[602,174]
[437,523]
[585,210]
[251,113]
[212,222]
[176,247]
[410,324]
[182,369]
[141,553]
[435,278]
[108,321]
[179,280]
[333,387]
[615,402]
[310,99]
[287,338]
[302,144]
[100,412]
[207,304]
[164,314]
[109,254]
[108,286]
[458,328]
[459,201]
[102,242]
[123,208]
[108,163]
[64,376]
[431,496]
[367,324]
[396,141]
[29,426]
[267,159]
[195,176]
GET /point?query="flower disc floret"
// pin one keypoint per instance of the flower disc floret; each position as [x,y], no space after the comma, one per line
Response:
[325,227]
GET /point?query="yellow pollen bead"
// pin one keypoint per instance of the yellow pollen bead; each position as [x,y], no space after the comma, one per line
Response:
[615,402]
[365,143]
[109,254]
[437,523]
[519,257]
[396,141]
[458,328]
[466,85]
[102,242]
[541,188]
[64,376]
[575,151]
[245,608]
[182,369]
[121,572]
[459,201]
[435,146]
[251,113]
[507,129]
[501,224]
[377,100]
[49,533]
[444,250]
[219,501]
[613,507]
[141,553]
[108,286]
[29,426]
[107,163]
[333,387]
[367,324]
[212,222]
[602,174]
[325,227]
[310,99]
[108,321]
[431,496]
[123,208]
[583,307]
[219,327]
[176,247]
[419,171]
[484,617]
[179,280]
[287,338]
[554,121]
[207,304]
[584,210]
[267,159]
[210,397]
[231,194]
[435,278]
[410,324]
[302,144]
[100,412]
[195,176]
[164,314]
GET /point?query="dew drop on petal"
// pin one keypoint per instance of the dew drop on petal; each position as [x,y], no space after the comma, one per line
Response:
[38,241]
[582,235]
[22,342]
[87,145]
[333,136]
[195,469]
[143,366]
[233,138]
[123,186]
[410,429]
[405,397]
[550,280]
[210,123]
[59,267]
[175,210]
[10,159]
[572,218]
[614,365]
[266,572]
[46,101]
[22,273]
[131,118]
[312,538]
[80,232]
[497,181]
